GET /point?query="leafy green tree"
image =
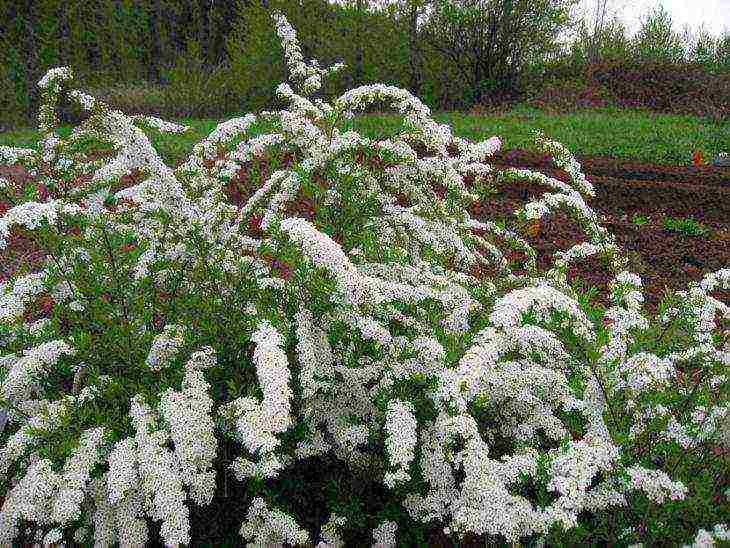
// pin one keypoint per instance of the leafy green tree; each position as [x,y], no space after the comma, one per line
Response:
[491,41]
[599,34]
[722,52]
[409,16]
[656,39]
[254,54]
[712,52]
[610,41]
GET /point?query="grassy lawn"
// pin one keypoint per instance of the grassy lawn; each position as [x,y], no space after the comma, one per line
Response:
[623,134]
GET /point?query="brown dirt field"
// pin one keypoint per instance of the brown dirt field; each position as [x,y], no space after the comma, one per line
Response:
[660,256]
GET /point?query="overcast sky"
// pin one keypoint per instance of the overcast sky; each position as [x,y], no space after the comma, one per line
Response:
[714,14]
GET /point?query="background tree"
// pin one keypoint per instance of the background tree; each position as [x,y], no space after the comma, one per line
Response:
[656,39]
[712,52]
[409,15]
[607,40]
[599,33]
[490,41]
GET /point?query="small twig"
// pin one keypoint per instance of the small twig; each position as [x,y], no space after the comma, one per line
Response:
[602,387]
[119,291]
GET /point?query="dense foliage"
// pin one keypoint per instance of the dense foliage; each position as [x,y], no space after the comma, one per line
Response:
[209,58]
[168,324]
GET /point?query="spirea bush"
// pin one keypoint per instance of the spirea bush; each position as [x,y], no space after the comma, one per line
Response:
[167,322]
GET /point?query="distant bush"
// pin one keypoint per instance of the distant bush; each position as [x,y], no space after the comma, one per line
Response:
[665,87]
[562,96]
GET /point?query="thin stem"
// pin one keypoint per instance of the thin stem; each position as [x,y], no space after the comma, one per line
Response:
[683,455]
[601,386]
[123,302]
[86,298]
[664,331]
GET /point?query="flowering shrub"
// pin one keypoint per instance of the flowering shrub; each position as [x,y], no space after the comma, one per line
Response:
[368,333]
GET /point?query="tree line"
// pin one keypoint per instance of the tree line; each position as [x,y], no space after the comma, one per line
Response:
[213,57]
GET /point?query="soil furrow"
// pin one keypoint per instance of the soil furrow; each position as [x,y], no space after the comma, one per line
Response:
[621,169]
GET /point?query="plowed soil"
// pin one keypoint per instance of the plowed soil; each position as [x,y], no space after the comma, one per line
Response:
[663,258]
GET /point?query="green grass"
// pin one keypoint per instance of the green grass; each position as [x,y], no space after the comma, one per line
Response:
[624,134]
[688,226]
[619,133]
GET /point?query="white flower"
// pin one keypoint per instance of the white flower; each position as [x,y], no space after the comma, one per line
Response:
[272,369]
[165,347]
[400,424]
[265,525]
[14,298]
[122,476]
[24,371]
[188,414]
[75,476]
[31,215]
[54,76]
[655,484]
[384,535]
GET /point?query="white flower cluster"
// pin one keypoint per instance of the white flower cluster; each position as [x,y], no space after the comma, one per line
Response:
[314,354]
[656,484]
[160,124]
[706,539]
[47,497]
[643,370]
[384,535]
[146,478]
[309,74]
[513,405]
[245,152]
[703,425]
[159,476]
[165,347]
[542,300]
[565,160]
[31,215]
[14,155]
[399,149]
[475,153]
[400,424]
[221,135]
[257,424]
[16,296]
[266,525]
[26,370]
[54,76]
[188,414]
[85,100]
[272,369]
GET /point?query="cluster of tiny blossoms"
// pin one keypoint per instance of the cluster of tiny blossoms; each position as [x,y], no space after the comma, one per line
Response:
[559,397]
